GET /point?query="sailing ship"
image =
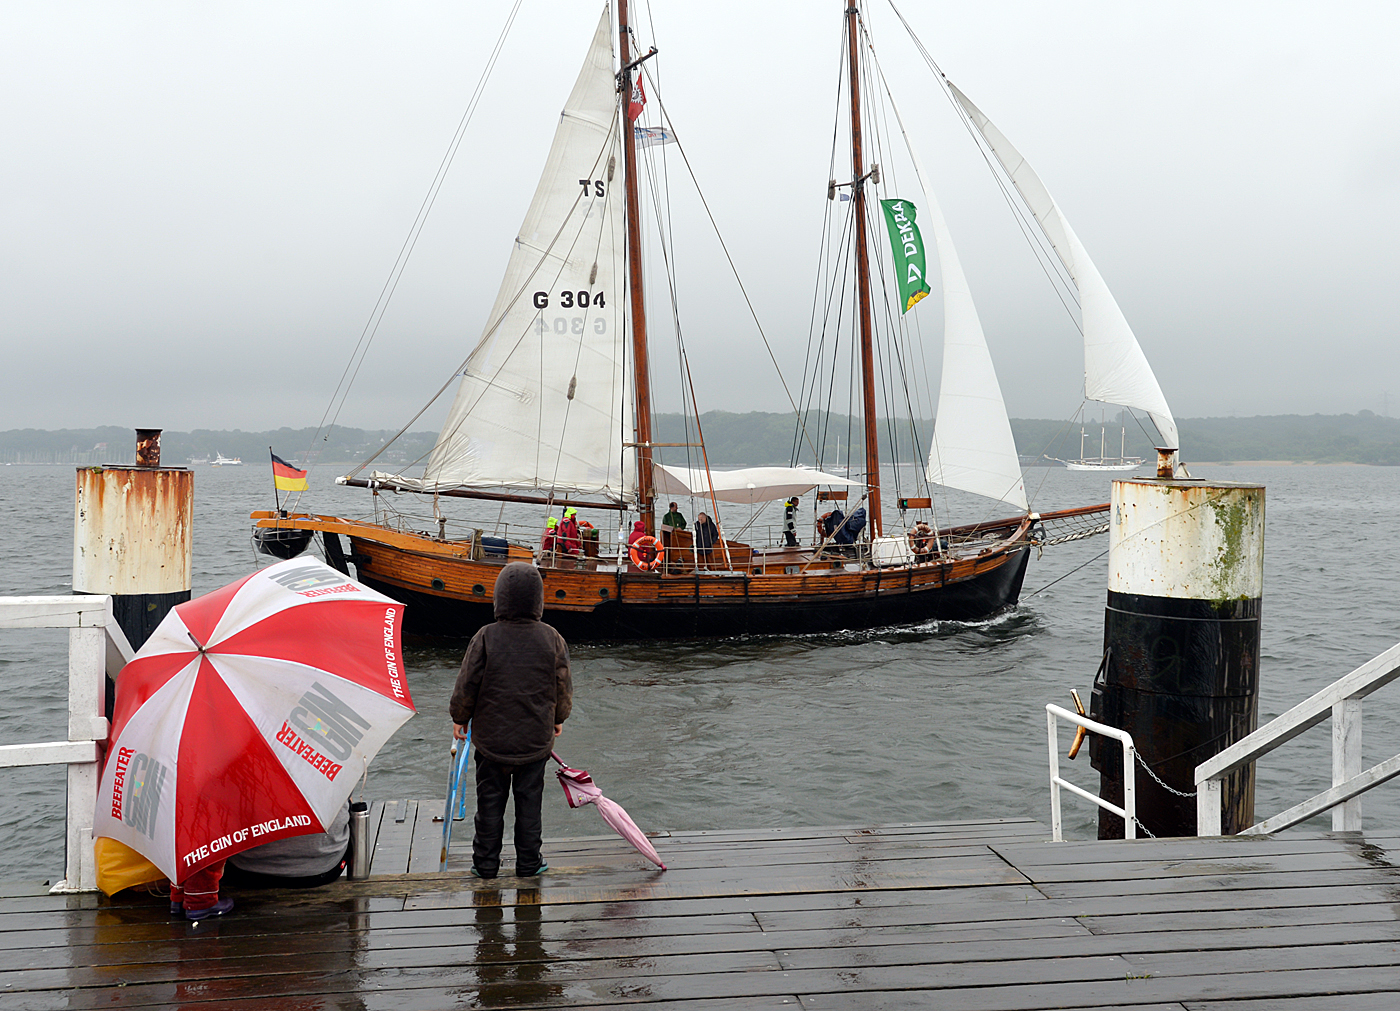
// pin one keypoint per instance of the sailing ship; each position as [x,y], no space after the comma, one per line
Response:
[553,410]
[1103,463]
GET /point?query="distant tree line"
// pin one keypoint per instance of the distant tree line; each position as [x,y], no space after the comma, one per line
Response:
[758,438]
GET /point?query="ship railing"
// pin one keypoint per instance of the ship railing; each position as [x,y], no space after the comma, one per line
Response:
[1341,702]
[97,648]
[1128,812]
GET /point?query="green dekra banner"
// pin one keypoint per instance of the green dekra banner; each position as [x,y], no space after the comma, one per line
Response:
[908,247]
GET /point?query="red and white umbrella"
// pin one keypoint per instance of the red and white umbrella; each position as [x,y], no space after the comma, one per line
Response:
[249,715]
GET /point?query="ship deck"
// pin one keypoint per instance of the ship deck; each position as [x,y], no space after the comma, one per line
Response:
[955,915]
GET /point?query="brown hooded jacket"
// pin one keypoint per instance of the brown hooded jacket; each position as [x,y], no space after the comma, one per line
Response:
[515,684]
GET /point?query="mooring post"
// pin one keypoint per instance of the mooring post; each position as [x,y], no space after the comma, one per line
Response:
[1181,634]
[131,537]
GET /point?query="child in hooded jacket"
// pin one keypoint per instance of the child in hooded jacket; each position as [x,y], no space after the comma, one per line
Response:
[516,692]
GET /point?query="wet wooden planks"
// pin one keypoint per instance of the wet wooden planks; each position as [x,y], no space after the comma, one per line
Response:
[969,915]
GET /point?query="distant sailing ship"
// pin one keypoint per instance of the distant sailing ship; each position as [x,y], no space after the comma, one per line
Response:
[553,408]
[1103,463]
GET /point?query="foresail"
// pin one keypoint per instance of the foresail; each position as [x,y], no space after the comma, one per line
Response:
[1115,369]
[544,399]
[973,448]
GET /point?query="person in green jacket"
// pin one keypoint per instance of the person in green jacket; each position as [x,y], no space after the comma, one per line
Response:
[674,519]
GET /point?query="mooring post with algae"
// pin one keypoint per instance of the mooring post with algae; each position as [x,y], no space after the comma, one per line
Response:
[1181,645]
[131,536]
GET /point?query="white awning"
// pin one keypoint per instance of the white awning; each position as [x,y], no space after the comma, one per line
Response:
[749,484]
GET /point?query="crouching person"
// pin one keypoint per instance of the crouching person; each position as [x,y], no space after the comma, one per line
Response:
[516,692]
[303,861]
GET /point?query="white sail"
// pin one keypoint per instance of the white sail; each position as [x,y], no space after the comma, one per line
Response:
[972,449]
[1115,369]
[544,399]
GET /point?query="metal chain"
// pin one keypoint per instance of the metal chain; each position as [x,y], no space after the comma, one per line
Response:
[1158,779]
[1150,833]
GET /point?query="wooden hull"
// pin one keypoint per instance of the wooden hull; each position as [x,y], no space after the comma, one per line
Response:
[653,607]
[449,592]
[589,605]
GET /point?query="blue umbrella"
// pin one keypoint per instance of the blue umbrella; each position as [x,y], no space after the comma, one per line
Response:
[456,806]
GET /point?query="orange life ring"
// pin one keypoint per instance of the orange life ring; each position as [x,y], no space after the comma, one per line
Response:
[646,553]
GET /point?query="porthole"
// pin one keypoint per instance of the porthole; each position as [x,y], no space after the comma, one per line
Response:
[479,590]
[603,592]
[559,594]
[438,584]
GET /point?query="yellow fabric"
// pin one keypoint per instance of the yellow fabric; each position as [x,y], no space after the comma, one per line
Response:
[120,867]
[289,483]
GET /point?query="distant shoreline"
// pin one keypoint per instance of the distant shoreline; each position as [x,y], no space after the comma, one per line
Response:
[760,438]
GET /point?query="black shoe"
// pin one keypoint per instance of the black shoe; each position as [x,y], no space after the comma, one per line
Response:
[482,874]
[530,874]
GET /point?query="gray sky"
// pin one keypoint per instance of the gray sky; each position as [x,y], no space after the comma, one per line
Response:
[200,202]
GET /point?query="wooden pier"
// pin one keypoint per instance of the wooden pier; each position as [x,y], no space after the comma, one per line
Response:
[949,915]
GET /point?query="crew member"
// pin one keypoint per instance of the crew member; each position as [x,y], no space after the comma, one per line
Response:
[568,538]
[706,535]
[790,522]
[671,522]
[551,530]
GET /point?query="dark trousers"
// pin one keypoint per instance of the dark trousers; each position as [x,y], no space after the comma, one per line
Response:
[790,538]
[495,782]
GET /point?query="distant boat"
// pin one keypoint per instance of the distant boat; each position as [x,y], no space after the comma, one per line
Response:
[1104,463]
[223,461]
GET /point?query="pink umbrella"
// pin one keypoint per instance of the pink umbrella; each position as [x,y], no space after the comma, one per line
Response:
[579,789]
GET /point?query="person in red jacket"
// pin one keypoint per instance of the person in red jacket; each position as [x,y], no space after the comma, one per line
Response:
[568,539]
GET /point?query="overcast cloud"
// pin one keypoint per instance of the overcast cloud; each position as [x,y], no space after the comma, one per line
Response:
[199,203]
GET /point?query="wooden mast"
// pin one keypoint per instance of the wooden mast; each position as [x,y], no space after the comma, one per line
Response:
[867,353]
[641,373]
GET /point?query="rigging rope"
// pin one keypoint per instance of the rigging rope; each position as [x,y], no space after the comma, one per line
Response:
[391,283]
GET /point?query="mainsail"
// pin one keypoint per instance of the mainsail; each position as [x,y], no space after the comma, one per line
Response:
[1115,369]
[544,399]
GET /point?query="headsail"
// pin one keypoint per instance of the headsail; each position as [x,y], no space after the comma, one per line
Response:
[973,449]
[544,399]
[1115,369]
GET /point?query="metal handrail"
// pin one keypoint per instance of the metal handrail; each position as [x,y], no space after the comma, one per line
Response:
[1341,700]
[1128,812]
[96,647]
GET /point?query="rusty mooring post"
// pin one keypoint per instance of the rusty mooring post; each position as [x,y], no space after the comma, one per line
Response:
[131,536]
[1181,634]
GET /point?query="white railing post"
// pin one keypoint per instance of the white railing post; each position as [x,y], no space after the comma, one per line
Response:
[1208,801]
[1346,761]
[87,670]
[96,647]
[1128,812]
[1057,828]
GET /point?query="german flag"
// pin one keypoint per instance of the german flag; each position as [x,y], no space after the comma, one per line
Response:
[287,477]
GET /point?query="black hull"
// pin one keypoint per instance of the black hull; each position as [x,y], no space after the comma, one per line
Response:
[281,542]
[966,600]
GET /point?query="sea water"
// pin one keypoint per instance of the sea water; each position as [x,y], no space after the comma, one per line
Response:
[917,723]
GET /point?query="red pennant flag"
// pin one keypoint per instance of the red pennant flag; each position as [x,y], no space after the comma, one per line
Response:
[638,99]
